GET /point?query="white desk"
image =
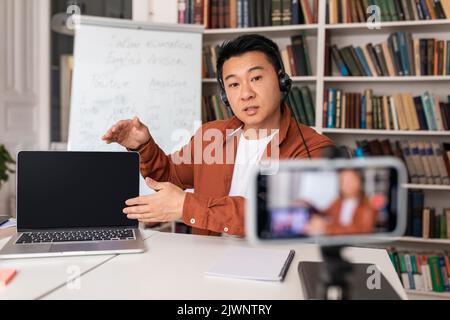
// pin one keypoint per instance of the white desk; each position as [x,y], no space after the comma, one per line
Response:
[174,266]
[37,277]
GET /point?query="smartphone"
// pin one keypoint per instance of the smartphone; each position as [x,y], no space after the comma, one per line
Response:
[334,202]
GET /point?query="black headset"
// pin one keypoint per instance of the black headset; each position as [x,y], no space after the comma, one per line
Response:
[284,81]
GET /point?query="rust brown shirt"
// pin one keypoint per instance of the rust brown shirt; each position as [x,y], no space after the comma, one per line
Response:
[210,210]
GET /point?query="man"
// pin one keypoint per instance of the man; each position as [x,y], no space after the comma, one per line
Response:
[254,85]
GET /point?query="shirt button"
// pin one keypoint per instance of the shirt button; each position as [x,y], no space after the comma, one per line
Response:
[225,229]
[192,221]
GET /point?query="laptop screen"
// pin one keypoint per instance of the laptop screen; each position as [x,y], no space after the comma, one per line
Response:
[75,189]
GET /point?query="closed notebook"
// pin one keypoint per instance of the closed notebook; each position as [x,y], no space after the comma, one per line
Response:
[253,264]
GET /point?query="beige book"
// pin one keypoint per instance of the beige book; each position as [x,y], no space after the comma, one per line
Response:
[426,163]
[233,13]
[403,124]
[430,8]
[285,59]
[412,108]
[333,14]
[426,223]
[388,57]
[439,155]
[393,113]
[446,7]
[66,70]
[399,109]
[372,68]
[416,44]
[415,154]
[437,112]
[410,112]
[206,15]
[387,122]
[433,163]
[213,58]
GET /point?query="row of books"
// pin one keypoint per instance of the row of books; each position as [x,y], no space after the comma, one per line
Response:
[399,111]
[400,55]
[426,222]
[426,162]
[355,11]
[295,58]
[302,105]
[247,13]
[426,272]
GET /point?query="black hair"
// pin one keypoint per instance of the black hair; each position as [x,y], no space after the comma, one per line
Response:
[248,43]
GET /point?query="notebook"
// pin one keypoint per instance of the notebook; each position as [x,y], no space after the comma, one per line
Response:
[253,264]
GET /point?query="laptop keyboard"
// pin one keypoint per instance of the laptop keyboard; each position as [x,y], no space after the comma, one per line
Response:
[73,236]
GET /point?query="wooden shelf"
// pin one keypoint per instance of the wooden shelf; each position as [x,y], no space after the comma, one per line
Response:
[387,79]
[294,79]
[427,187]
[385,132]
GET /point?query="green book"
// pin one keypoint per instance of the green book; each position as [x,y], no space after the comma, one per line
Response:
[385,15]
[365,4]
[217,110]
[402,262]
[299,104]
[448,59]
[392,10]
[308,105]
[375,113]
[436,276]
[276,13]
[293,107]
[307,60]
[286,12]
[349,61]
[443,225]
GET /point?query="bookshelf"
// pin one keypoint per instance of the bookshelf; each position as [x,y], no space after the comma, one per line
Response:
[356,34]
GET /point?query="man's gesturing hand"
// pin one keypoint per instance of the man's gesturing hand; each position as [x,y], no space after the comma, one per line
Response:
[163,206]
[131,134]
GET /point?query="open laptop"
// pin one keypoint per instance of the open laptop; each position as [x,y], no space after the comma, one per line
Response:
[70,203]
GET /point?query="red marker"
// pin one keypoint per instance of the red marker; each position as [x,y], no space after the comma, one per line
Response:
[6,275]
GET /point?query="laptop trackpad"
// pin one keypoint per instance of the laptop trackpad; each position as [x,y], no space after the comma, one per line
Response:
[91,246]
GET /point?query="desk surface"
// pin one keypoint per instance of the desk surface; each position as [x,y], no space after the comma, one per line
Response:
[172,268]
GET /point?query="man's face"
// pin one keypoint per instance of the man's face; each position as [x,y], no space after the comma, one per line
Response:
[251,85]
[350,184]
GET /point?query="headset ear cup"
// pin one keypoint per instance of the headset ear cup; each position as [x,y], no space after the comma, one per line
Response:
[285,84]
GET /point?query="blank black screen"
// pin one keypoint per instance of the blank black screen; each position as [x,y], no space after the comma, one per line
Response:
[75,189]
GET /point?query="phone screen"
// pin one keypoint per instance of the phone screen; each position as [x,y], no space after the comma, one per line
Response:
[310,202]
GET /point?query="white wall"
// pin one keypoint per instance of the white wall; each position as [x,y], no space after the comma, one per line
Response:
[155,10]
[24,80]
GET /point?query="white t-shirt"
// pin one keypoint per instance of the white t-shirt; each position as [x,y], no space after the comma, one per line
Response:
[249,154]
[348,209]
